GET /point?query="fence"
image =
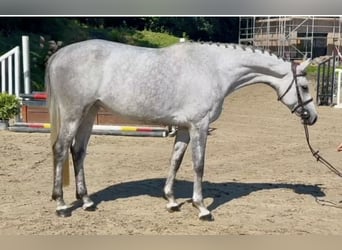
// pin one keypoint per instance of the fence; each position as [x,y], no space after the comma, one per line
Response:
[10,70]
[326,82]
[10,78]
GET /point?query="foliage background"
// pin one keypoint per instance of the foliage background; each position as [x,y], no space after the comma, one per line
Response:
[142,31]
[9,106]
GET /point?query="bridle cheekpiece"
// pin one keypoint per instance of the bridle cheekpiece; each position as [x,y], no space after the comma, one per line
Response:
[300,104]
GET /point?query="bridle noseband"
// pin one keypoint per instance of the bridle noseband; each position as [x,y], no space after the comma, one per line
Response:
[301,104]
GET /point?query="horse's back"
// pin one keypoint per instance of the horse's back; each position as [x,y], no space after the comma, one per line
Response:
[146,83]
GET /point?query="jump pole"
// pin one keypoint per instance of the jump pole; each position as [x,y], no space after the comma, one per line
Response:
[35,96]
[97,129]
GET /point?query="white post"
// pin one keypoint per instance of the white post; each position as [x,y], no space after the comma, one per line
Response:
[338,103]
[26,64]
[10,75]
[3,77]
[16,71]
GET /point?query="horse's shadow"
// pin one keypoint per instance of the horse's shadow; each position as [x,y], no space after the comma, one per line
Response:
[221,193]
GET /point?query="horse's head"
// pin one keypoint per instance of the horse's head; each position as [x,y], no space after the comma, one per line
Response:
[296,95]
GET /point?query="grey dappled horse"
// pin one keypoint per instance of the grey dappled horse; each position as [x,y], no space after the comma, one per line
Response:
[182,85]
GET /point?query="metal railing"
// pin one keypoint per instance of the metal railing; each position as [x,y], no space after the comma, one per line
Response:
[326,82]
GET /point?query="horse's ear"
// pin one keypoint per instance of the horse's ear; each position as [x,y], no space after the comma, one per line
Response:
[302,66]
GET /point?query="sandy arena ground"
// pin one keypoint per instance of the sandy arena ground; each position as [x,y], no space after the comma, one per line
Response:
[260,178]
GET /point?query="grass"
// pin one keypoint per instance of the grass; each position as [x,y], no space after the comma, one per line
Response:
[313,69]
[143,38]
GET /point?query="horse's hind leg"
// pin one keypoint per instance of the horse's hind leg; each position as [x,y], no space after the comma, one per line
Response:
[181,143]
[60,150]
[78,151]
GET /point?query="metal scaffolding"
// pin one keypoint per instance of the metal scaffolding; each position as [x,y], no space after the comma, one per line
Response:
[293,37]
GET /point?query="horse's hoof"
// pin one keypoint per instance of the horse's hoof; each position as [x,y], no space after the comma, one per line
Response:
[174,207]
[91,208]
[206,217]
[63,213]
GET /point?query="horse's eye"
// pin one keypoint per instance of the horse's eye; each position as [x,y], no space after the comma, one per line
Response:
[305,88]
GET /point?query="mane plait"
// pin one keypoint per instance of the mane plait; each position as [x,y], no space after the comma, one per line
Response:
[243,47]
[262,50]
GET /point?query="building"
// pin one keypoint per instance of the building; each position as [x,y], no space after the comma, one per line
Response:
[293,37]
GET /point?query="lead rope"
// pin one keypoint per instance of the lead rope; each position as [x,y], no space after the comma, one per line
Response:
[315,154]
[302,104]
[319,158]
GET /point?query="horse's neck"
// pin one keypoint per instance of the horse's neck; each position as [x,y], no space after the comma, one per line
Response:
[252,67]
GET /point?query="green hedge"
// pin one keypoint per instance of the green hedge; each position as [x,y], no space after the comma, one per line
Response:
[9,106]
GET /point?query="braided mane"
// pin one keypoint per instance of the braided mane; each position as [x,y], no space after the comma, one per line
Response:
[235,46]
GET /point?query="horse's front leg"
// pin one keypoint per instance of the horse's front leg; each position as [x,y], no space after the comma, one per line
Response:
[180,146]
[198,135]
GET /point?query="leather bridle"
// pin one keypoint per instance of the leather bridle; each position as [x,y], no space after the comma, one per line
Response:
[300,103]
[305,115]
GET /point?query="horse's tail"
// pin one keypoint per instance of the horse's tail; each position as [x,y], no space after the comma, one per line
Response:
[55,122]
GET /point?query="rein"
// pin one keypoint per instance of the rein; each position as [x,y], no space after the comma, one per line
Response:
[318,156]
[315,153]
[327,164]
[302,105]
